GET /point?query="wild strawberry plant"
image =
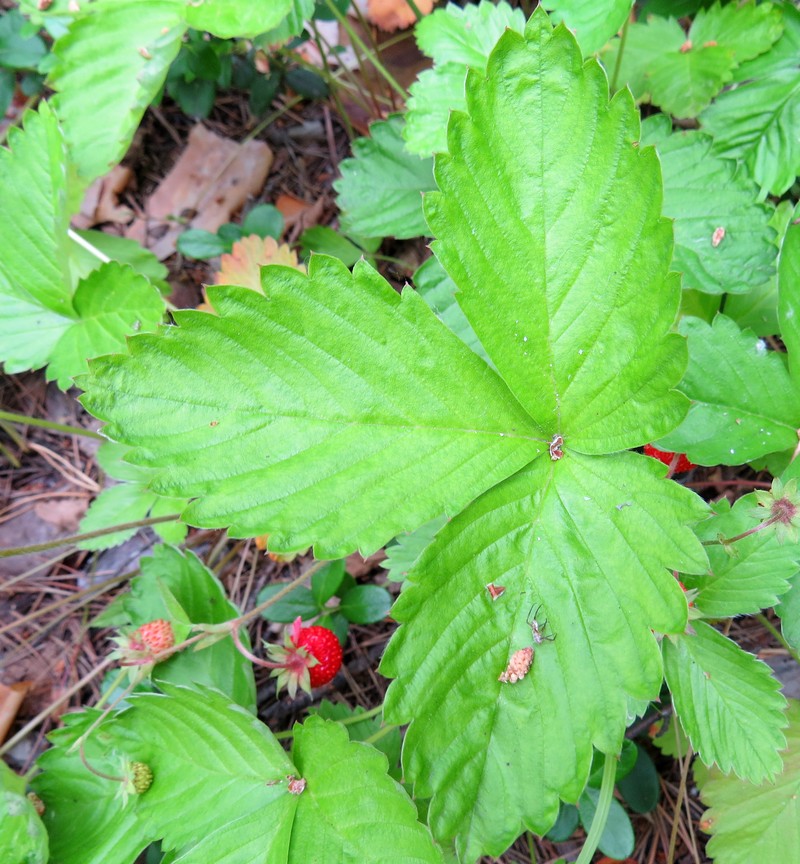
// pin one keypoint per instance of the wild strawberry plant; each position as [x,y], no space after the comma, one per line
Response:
[549,568]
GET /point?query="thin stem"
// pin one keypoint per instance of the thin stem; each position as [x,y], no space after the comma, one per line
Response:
[602,811]
[89,535]
[727,541]
[673,837]
[415,9]
[93,250]
[348,721]
[48,424]
[531,847]
[612,87]
[44,714]
[357,43]
[768,625]
[381,733]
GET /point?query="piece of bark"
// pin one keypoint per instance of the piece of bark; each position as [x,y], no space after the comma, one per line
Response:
[10,700]
[101,201]
[211,181]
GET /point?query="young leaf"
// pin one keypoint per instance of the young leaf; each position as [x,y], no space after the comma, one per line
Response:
[705,193]
[744,402]
[456,39]
[528,240]
[35,288]
[754,576]
[380,190]
[727,701]
[353,440]
[592,23]
[203,599]
[229,18]
[111,303]
[755,823]
[366,604]
[109,67]
[576,523]
[754,124]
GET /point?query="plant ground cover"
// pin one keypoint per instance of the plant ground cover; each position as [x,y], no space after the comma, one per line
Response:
[559,525]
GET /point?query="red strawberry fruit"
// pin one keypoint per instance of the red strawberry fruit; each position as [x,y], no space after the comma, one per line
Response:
[310,657]
[683,464]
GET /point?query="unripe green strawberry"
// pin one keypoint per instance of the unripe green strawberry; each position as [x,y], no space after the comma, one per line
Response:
[141,777]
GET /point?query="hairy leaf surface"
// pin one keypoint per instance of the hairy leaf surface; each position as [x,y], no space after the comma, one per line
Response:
[349,425]
[753,574]
[759,823]
[109,67]
[35,290]
[727,701]
[574,305]
[380,190]
[744,403]
[584,543]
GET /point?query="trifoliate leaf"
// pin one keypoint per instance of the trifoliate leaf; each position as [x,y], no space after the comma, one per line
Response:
[109,67]
[473,739]
[457,39]
[35,290]
[758,309]
[388,436]
[592,23]
[727,701]
[723,238]
[203,599]
[23,838]
[789,292]
[85,816]
[406,549]
[753,574]
[112,302]
[755,823]
[755,123]
[380,190]
[439,292]
[527,238]
[229,18]
[662,65]
[744,403]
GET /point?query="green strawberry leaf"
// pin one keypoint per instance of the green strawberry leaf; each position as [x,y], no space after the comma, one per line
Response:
[439,292]
[758,309]
[35,287]
[753,574]
[755,122]
[457,39]
[592,23]
[85,817]
[380,190]
[782,55]
[366,604]
[128,501]
[727,701]
[474,737]
[641,788]
[229,18]
[789,291]
[755,823]
[705,193]
[529,289]
[112,302]
[18,51]
[406,548]
[109,66]
[23,837]
[203,599]
[617,840]
[744,402]
[748,29]
[347,402]
[326,582]
[299,602]
[120,249]
[788,610]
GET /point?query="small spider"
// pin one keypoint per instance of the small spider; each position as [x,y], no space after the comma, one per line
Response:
[537,629]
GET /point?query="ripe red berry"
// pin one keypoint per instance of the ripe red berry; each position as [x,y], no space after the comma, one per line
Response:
[683,464]
[153,637]
[323,645]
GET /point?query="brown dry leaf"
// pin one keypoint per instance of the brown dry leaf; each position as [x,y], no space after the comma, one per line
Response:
[243,265]
[358,566]
[298,214]
[393,15]
[211,181]
[64,513]
[10,700]
[101,201]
